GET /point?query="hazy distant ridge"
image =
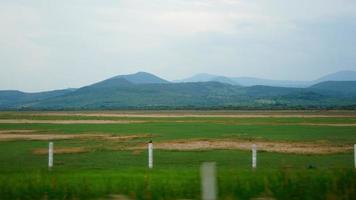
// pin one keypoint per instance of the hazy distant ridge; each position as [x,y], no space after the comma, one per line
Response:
[147,91]
[251,81]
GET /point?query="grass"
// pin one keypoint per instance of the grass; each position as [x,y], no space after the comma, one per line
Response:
[170,131]
[18,156]
[169,184]
[103,173]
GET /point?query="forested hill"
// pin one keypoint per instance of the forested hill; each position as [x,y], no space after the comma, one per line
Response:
[147,91]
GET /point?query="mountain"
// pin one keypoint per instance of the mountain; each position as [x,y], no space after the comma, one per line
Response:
[111,82]
[137,78]
[338,76]
[147,91]
[203,77]
[172,95]
[347,88]
[243,81]
[15,99]
[251,81]
[141,78]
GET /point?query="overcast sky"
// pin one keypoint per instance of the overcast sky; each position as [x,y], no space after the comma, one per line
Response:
[50,44]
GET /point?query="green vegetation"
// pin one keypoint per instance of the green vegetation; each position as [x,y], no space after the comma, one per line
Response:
[178,184]
[103,172]
[160,129]
[145,91]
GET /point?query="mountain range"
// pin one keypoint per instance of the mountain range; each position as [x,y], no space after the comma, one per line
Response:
[147,91]
[251,81]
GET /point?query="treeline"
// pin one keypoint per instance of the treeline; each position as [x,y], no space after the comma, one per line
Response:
[202,108]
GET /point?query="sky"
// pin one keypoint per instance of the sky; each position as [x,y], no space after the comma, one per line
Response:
[46,44]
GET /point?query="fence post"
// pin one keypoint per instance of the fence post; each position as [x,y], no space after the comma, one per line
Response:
[254,156]
[355,154]
[50,155]
[150,154]
[208,181]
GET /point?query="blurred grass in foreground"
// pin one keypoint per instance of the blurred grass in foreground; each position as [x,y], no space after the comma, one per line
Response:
[178,184]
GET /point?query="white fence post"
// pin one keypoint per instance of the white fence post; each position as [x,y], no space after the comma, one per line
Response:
[150,154]
[355,154]
[50,155]
[254,156]
[208,181]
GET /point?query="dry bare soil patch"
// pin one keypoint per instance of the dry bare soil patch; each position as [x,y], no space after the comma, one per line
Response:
[269,146]
[61,150]
[227,114]
[11,135]
[27,121]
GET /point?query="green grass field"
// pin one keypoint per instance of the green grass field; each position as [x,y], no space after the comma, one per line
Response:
[110,169]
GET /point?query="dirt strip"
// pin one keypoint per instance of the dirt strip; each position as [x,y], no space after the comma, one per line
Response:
[207,114]
[288,124]
[280,147]
[27,121]
[17,131]
[44,137]
[199,145]
[61,150]
[323,124]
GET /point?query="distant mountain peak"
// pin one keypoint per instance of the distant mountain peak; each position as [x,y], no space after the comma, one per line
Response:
[142,78]
[345,75]
[129,79]
[141,73]
[205,77]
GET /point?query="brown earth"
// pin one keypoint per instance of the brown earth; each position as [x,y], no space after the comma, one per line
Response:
[36,136]
[27,121]
[232,114]
[324,124]
[12,136]
[210,115]
[280,147]
[289,124]
[17,131]
[321,147]
[61,150]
